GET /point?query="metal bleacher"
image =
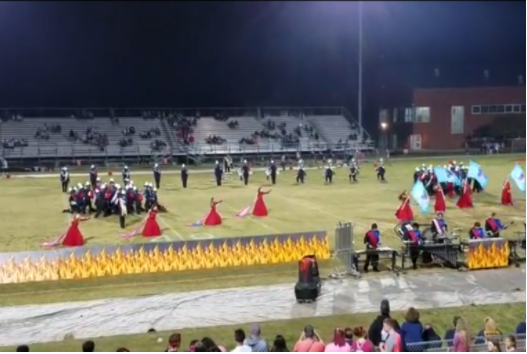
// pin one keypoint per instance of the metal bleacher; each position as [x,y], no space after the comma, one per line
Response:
[59,144]
[334,127]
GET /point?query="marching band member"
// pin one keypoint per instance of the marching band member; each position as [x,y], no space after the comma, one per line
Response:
[354,171]
[493,225]
[218,174]
[300,173]
[439,227]
[273,172]
[477,232]
[412,235]
[126,174]
[184,176]
[244,173]
[93,175]
[328,174]
[372,240]
[64,179]
[157,175]
[380,170]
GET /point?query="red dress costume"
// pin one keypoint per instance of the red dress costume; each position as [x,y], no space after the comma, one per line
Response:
[506,196]
[259,208]
[465,200]
[73,237]
[439,205]
[404,212]
[213,218]
[151,228]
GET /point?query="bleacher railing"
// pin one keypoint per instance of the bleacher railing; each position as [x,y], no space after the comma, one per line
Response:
[72,150]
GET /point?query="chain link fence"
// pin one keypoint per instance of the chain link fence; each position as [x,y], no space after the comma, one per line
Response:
[480,345]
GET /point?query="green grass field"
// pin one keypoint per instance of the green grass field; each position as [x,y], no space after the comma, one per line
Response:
[506,317]
[31,207]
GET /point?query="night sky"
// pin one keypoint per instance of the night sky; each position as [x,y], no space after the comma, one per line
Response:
[184,54]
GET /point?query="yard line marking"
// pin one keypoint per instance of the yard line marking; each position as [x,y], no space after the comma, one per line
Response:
[177,234]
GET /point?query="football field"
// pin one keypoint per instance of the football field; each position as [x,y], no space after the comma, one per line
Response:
[31,208]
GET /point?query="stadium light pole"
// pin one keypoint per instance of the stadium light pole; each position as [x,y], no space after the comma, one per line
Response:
[359,94]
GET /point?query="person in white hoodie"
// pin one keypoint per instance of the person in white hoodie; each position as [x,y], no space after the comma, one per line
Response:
[239,338]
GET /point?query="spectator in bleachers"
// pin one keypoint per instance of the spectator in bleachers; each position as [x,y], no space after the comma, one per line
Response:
[151,133]
[309,341]
[14,143]
[129,131]
[412,331]
[338,343]
[462,337]
[222,117]
[233,124]
[158,145]
[215,140]
[124,142]
[255,341]
[510,344]
[375,330]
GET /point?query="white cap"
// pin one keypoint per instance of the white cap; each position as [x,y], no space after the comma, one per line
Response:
[155,189]
[111,180]
[125,167]
[156,165]
[183,166]
[92,166]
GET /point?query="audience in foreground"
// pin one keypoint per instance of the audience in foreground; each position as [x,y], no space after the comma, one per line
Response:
[384,335]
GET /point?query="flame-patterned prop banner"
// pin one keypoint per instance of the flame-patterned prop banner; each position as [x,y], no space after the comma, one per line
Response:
[100,261]
[488,253]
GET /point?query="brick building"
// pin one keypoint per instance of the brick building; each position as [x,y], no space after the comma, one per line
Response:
[444,118]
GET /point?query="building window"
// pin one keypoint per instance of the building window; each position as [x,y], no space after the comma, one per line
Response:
[523,108]
[484,109]
[500,108]
[516,108]
[422,114]
[508,108]
[476,109]
[492,109]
